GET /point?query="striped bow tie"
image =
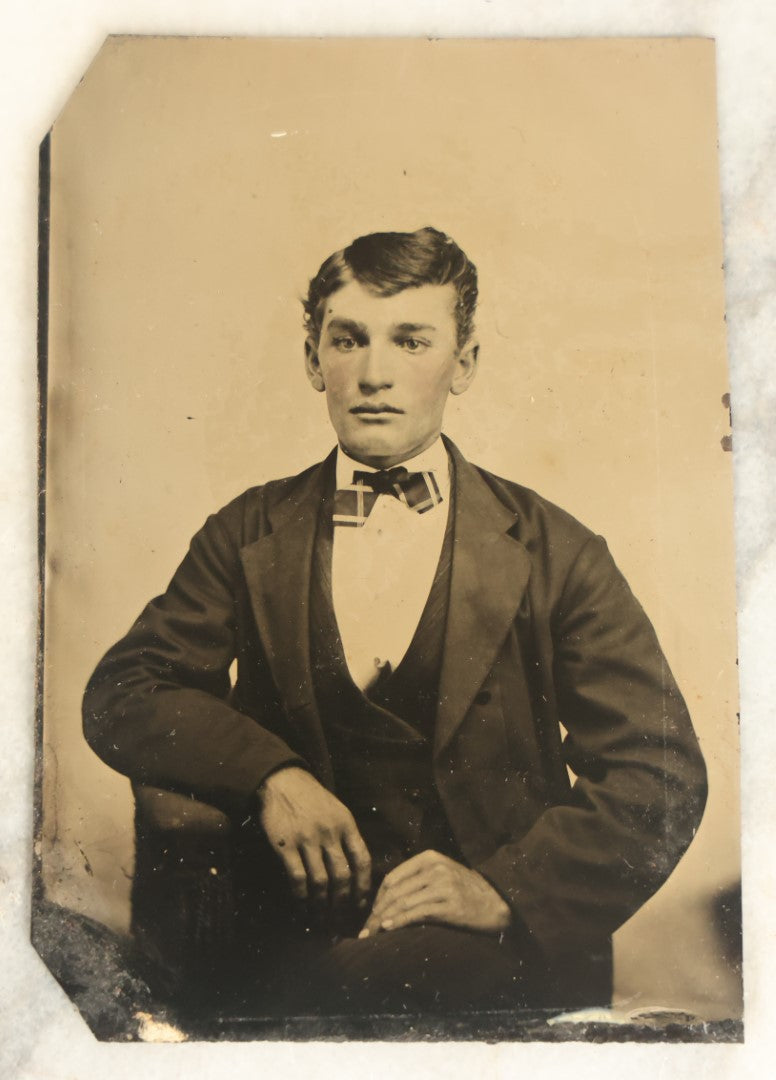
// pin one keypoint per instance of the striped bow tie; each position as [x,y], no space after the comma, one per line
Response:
[418,491]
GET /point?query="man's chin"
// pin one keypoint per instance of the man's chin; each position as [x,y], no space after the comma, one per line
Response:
[375,452]
[370,439]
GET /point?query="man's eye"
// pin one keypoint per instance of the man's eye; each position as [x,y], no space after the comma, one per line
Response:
[414,345]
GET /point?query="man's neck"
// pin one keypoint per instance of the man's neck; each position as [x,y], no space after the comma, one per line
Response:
[389,462]
[433,458]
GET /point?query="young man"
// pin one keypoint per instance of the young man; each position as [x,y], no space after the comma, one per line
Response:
[410,634]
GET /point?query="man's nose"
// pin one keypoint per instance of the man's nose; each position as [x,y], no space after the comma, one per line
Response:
[375,372]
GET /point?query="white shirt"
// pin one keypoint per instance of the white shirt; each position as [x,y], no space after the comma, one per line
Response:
[382,572]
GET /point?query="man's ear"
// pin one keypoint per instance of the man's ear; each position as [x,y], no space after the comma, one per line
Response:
[312,365]
[465,368]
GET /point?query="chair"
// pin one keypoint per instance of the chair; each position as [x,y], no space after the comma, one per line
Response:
[183,891]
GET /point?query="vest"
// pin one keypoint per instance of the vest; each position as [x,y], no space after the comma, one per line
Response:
[381,742]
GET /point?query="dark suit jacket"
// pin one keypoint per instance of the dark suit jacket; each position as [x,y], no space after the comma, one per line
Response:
[543,631]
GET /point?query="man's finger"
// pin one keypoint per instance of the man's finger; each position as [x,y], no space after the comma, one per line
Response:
[408,902]
[373,922]
[412,866]
[415,891]
[430,910]
[295,869]
[360,862]
[317,875]
[387,897]
[339,873]
[397,878]
[420,868]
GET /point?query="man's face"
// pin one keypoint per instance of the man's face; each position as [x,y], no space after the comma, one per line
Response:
[387,364]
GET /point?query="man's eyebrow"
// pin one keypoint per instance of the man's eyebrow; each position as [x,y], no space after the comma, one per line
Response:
[350,326]
[412,328]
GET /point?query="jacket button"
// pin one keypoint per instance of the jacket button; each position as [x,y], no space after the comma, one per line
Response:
[415,795]
[482,698]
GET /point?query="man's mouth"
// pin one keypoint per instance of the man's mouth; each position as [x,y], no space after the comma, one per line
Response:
[375,410]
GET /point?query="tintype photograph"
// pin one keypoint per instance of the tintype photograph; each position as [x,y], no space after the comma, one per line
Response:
[388,664]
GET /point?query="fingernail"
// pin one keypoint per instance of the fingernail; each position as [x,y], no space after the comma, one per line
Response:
[387,924]
[364,933]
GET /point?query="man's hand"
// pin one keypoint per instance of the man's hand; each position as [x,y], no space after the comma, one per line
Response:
[433,888]
[316,837]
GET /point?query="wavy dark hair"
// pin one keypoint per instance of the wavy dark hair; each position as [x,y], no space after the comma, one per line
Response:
[385,263]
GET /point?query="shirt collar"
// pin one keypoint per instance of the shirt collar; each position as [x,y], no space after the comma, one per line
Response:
[433,459]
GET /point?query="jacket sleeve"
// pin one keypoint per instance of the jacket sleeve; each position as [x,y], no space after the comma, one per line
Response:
[157,706]
[588,864]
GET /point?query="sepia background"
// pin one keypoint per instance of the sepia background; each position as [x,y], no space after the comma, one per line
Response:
[198,184]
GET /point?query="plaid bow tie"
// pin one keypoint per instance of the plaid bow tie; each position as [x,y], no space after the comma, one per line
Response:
[418,491]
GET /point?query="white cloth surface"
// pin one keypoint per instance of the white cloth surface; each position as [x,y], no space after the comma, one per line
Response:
[382,572]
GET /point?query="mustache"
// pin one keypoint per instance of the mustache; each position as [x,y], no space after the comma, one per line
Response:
[376,409]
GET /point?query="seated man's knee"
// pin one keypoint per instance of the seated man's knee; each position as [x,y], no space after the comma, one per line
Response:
[413,968]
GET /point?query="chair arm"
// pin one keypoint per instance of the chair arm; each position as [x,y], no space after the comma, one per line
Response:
[167,812]
[183,890]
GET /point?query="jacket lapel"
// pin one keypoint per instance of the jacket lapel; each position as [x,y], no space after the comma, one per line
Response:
[277,570]
[489,574]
